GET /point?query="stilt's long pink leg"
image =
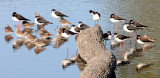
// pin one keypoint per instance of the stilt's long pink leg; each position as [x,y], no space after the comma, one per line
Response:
[136,40]
[20,25]
[142,54]
[120,50]
[130,42]
[124,47]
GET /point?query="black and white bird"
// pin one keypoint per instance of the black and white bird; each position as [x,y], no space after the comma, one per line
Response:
[145,39]
[120,39]
[67,33]
[57,14]
[41,21]
[40,17]
[130,28]
[96,15]
[75,29]
[18,18]
[138,25]
[115,19]
[82,26]
[107,36]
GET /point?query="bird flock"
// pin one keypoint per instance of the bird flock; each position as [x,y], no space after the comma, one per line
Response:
[65,32]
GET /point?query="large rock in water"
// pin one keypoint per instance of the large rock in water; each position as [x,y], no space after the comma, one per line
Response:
[100,62]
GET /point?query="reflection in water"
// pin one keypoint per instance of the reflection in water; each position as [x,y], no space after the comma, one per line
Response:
[8,38]
[59,42]
[29,45]
[17,43]
[142,65]
[66,63]
[80,63]
[38,50]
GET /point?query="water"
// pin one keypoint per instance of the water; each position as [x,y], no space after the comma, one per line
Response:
[24,63]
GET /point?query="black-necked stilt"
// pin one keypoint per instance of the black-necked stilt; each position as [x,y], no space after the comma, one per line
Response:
[18,17]
[75,29]
[8,29]
[47,22]
[66,34]
[82,26]
[144,40]
[57,14]
[64,22]
[96,16]
[130,28]
[27,24]
[120,39]
[41,21]
[107,36]
[138,25]
[115,19]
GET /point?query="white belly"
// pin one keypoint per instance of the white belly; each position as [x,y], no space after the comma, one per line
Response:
[125,29]
[38,22]
[113,20]
[15,19]
[54,15]
[110,37]
[65,35]
[119,40]
[140,42]
[72,29]
[96,17]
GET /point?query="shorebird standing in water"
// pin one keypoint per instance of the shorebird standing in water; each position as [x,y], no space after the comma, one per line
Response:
[41,21]
[18,17]
[121,39]
[129,28]
[144,40]
[96,16]
[57,14]
[115,19]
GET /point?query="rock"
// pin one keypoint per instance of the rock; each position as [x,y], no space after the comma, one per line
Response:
[100,62]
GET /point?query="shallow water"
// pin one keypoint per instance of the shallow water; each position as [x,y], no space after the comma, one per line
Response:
[24,63]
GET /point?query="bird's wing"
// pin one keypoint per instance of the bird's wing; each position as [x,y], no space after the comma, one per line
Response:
[118,18]
[60,14]
[20,17]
